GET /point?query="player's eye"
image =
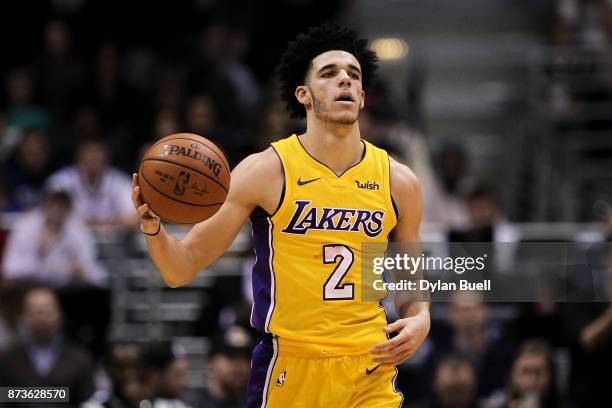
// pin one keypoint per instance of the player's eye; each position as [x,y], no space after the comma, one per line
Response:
[328,74]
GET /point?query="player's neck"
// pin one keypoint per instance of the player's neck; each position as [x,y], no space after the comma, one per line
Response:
[338,147]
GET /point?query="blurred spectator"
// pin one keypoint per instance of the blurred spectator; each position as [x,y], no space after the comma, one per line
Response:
[42,357]
[474,336]
[101,193]
[166,123]
[28,169]
[209,76]
[51,245]
[486,217]
[486,223]
[60,71]
[7,204]
[454,383]
[237,72]
[11,298]
[275,122]
[228,371]
[122,111]
[201,115]
[532,380]
[21,112]
[446,182]
[541,320]
[164,376]
[123,366]
[109,93]
[6,333]
[171,89]
[583,23]
[589,328]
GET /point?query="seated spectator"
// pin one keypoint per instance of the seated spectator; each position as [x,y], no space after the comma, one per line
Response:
[7,204]
[53,246]
[21,110]
[531,379]
[28,169]
[123,366]
[164,376]
[589,329]
[449,187]
[42,357]
[100,192]
[454,383]
[11,295]
[472,335]
[486,223]
[228,371]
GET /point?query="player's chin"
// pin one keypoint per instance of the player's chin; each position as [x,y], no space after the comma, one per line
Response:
[346,118]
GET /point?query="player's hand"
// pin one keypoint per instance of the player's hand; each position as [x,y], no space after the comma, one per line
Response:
[149,222]
[412,332]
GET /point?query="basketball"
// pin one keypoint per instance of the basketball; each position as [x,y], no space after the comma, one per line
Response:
[184,178]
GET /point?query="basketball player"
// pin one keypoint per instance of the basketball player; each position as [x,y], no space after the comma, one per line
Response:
[313,199]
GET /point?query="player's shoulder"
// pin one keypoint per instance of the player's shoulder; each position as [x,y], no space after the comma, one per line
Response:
[405,185]
[262,164]
[402,175]
[258,179]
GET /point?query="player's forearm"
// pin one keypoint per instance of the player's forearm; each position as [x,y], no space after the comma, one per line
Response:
[171,258]
[413,308]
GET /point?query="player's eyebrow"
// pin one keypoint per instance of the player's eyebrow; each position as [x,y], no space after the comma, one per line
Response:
[330,66]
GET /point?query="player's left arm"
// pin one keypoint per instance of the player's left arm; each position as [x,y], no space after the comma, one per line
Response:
[414,322]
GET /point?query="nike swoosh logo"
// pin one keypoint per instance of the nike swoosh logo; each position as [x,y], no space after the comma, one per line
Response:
[303,183]
[368,372]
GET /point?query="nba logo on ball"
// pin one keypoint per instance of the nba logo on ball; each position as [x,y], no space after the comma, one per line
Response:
[181,183]
[184,178]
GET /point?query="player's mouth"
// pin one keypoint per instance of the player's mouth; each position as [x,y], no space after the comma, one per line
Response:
[345,98]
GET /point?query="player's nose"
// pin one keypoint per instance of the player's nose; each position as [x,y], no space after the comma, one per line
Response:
[344,78]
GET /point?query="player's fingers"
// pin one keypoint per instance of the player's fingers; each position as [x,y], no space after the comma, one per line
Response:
[395,358]
[396,352]
[393,327]
[134,179]
[136,197]
[153,215]
[390,344]
[143,211]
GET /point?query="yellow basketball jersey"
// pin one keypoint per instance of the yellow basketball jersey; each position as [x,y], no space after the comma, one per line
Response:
[306,279]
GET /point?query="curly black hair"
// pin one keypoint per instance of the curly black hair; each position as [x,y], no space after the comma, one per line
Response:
[296,60]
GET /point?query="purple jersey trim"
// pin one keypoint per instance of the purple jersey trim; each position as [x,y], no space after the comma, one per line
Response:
[263,276]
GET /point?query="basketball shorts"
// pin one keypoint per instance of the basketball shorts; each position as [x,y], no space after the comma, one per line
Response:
[292,379]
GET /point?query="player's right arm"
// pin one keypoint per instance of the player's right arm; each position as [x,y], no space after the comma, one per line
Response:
[256,181]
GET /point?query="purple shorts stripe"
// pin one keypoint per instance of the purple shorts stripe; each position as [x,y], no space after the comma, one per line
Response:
[262,365]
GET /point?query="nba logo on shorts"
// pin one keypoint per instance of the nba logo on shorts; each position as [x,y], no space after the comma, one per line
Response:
[181,183]
[281,379]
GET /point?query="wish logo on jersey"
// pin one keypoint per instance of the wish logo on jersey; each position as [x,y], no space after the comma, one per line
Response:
[306,217]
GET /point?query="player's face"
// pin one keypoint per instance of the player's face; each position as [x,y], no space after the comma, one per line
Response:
[334,88]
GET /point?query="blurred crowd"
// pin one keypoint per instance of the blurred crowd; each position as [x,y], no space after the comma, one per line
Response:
[73,124]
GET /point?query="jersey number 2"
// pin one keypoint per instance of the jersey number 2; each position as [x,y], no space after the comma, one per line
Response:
[333,289]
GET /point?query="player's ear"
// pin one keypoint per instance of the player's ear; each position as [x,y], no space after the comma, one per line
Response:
[362,99]
[303,95]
